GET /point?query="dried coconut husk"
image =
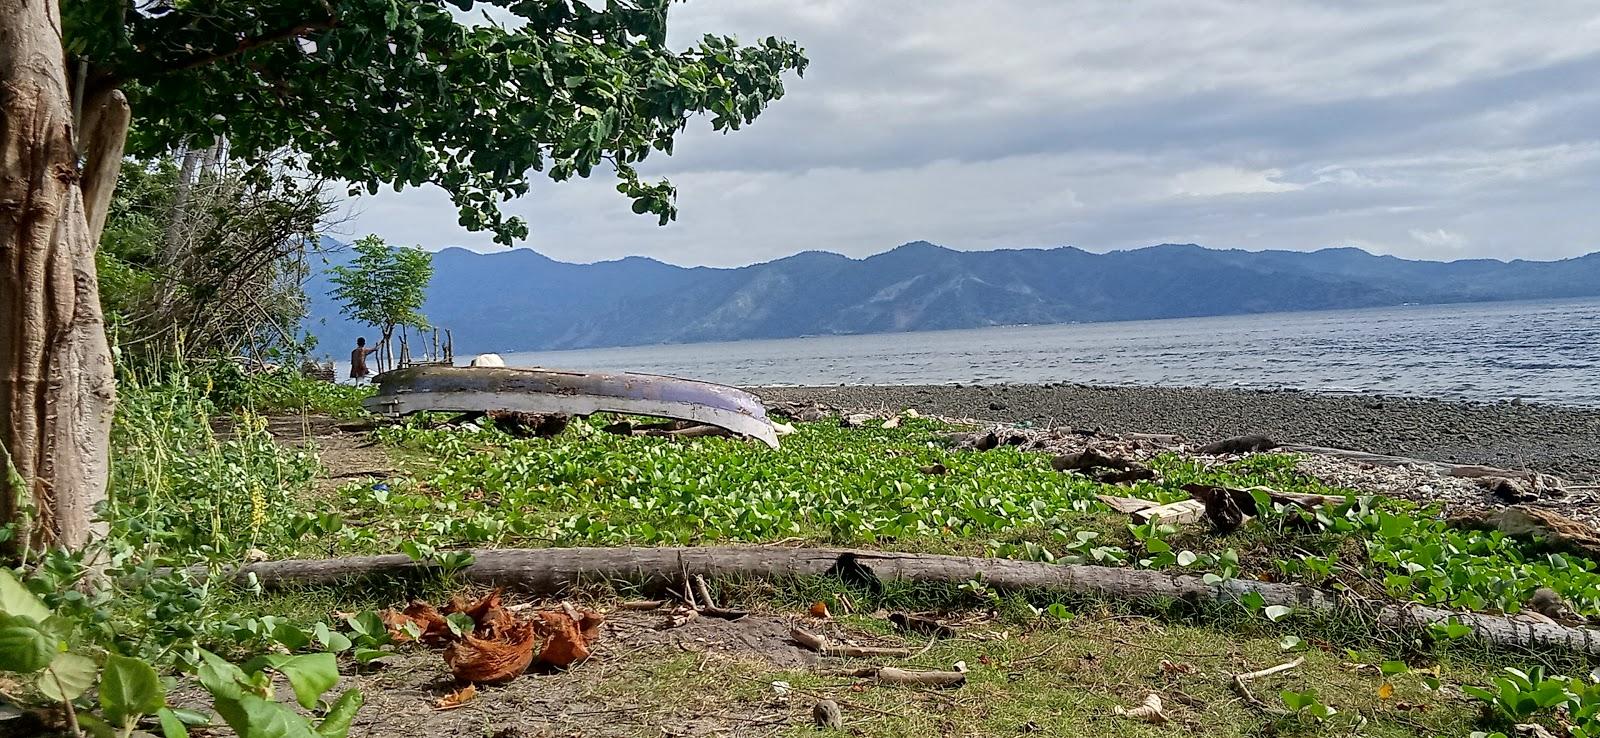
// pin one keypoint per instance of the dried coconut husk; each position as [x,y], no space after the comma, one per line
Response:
[567,638]
[435,630]
[492,660]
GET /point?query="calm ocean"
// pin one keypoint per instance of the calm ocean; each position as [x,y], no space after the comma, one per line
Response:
[1544,351]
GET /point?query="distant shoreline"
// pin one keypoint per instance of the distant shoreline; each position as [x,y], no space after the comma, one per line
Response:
[1554,439]
[1309,312]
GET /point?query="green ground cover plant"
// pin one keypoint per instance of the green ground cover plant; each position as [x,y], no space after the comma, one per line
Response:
[202,482]
[829,485]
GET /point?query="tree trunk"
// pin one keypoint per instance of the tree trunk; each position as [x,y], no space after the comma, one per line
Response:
[385,358]
[172,243]
[56,383]
[550,571]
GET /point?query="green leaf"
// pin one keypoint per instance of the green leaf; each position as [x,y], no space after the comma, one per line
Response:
[1291,643]
[310,675]
[1321,711]
[222,679]
[193,718]
[414,551]
[15,599]
[330,639]
[1187,558]
[95,727]
[369,625]
[460,623]
[129,688]
[368,655]
[343,710]
[252,716]
[171,725]
[1391,668]
[67,677]
[1252,600]
[1277,612]
[291,636]
[24,647]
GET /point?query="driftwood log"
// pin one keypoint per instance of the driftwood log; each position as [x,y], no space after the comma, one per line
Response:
[1536,524]
[1465,471]
[553,570]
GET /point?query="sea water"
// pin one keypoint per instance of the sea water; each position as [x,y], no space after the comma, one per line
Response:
[1540,351]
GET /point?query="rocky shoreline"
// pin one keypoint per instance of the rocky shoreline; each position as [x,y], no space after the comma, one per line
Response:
[1555,440]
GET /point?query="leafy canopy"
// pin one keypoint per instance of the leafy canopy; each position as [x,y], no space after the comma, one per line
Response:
[401,92]
[383,287]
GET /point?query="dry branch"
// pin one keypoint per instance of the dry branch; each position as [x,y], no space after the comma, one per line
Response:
[892,675]
[1242,686]
[826,647]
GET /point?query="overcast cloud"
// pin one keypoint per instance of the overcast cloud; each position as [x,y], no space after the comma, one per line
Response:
[1438,130]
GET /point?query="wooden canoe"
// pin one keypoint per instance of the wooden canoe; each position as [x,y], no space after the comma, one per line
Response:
[481,389]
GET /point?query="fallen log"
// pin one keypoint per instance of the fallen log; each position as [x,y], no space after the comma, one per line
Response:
[1532,523]
[1465,471]
[554,570]
[1239,445]
[697,431]
[1088,458]
[1126,476]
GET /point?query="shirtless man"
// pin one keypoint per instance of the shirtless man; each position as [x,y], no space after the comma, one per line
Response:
[358,359]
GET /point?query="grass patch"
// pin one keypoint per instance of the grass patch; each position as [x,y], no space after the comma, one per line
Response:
[1064,679]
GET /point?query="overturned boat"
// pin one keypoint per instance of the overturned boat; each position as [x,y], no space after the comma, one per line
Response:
[554,391]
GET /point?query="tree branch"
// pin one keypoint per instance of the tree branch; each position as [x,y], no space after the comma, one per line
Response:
[247,44]
[112,80]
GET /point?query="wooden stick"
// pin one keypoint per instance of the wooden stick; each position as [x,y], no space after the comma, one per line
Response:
[1240,686]
[705,592]
[826,647]
[710,606]
[688,587]
[680,617]
[892,675]
[1270,670]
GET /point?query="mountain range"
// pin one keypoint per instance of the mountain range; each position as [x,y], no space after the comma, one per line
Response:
[517,300]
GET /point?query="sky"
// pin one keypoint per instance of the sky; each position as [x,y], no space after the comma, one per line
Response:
[1431,130]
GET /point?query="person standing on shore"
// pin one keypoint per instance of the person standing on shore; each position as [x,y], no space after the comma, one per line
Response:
[358,359]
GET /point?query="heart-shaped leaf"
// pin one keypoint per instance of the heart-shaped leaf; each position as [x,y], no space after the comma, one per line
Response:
[129,688]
